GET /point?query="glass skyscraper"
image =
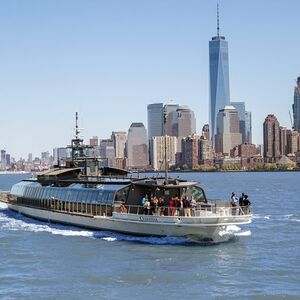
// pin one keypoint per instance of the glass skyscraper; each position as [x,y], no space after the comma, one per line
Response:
[296,106]
[219,78]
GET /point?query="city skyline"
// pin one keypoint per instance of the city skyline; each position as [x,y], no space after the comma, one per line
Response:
[102,59]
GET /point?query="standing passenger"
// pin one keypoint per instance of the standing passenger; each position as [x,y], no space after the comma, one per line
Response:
[171,207]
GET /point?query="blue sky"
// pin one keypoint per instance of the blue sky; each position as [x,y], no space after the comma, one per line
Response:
[109,59]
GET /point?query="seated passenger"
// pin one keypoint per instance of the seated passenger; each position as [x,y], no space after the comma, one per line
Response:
[122,209]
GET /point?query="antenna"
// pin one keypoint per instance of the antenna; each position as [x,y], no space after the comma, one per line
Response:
[218,23]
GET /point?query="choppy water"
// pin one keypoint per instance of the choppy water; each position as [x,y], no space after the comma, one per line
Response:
[260,261]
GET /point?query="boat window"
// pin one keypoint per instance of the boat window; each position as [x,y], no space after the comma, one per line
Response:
[88,196]
[122,194]
[94,196]
[198,194]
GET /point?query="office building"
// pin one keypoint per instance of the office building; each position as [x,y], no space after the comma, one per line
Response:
[137,147]
[163,146]
[94,141]
[190,152]
[296,106]
[283,143]
[219,78]
[271,139]
[228,130]
[119,140]
[171,119]
[107,153]
[248,127]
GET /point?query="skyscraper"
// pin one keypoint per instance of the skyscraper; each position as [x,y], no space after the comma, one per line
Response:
[296,106]
[228,130]
[137,146]
[171,125]
[271,139]
[155,120]
[245,122]
[219,77]
[155,124]
[163,145]
[248,127]
[119,138]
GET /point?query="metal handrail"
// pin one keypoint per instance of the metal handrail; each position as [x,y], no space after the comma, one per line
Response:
[196,211]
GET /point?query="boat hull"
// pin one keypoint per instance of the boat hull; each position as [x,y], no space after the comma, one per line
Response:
[206,229]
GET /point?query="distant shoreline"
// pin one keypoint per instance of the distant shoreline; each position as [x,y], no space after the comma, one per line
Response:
[13,172]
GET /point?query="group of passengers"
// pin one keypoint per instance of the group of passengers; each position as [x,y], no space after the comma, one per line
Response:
[153,206]
[243,202]
[177,206]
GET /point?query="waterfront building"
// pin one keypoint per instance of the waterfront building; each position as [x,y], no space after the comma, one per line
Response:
[30,158]
[45,157]
[271,139]
[205,150]
[244,150]
[137,149]
[283,142]
[219,78]
[245,121]
[94,141]
[296,106]
[155,120]
[189,151]
[228,130]
[205,132]
[171,119]
[107,153]
[292,141]
[155,113]
[160,144]
[60,155]
[248,127]
[186,123]
[3,160]
[119,140]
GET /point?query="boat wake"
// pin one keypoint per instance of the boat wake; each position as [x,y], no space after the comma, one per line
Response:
[10,220]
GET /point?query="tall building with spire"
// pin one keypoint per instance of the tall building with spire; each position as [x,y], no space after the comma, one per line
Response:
[219,77]
[296,106]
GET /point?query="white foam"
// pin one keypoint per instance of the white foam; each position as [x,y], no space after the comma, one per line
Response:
[261,217]
[243,233]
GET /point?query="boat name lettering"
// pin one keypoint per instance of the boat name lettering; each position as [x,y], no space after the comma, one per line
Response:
[147,219]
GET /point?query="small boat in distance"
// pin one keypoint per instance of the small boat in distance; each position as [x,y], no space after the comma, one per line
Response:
[114,201]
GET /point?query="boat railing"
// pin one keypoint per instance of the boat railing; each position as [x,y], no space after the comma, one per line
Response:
[200,210]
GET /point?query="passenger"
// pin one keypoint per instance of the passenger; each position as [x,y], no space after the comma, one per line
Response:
[241,203]
[181,206]
[155,203]
[246,204]
[123,209]
[186,207]
[193,205]
[241,199]
[143,200]
[161,208]
[171,207]
[152,206]
[233,202]
[147,207]
[176,206]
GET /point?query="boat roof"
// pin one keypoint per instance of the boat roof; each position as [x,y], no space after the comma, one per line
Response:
[160,182]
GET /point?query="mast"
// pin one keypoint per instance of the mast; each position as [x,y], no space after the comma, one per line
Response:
[165,146]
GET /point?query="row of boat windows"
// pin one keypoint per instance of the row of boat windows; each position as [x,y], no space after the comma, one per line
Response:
[65,194]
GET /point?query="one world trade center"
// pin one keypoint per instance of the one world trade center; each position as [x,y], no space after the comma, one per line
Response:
[219,78]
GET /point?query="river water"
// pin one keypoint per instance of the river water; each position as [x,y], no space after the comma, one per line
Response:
[261,260]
